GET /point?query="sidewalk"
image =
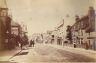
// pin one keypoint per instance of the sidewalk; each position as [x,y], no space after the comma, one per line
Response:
[7,54]
[88,53]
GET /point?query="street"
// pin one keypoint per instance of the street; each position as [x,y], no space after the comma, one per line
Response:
[47,31]
[46,53]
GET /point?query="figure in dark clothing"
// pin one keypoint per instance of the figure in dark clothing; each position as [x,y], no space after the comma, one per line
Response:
[20,41]
[32,43]
[86,45]
[74,44]
[21,45]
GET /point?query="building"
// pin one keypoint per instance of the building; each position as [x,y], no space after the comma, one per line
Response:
[84,30]
[1,34]
[15,28]
[8,27]
[3,17]
[57,34]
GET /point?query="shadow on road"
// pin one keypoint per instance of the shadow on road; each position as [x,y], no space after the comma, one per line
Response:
[19,53]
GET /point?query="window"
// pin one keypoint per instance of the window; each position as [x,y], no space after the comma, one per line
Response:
[3,12]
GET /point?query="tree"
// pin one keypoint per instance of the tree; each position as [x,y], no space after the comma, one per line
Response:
[69,33]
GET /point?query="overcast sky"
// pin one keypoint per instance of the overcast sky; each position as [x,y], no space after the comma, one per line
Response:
[43,15]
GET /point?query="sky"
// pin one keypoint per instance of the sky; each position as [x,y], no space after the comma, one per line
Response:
[43,15]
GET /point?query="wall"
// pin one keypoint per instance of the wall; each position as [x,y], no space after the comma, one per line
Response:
[1,34]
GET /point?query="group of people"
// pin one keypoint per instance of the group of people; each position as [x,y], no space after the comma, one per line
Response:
[24,41]
[31,43]
[18,41]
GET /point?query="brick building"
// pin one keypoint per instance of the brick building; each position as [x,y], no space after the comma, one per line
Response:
[84,31]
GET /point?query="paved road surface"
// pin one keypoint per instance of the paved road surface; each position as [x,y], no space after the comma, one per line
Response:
[46,53]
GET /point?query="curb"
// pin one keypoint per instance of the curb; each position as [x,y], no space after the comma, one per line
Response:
[77,51]
[15,54]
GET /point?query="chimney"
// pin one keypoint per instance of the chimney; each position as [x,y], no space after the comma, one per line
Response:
[77,18]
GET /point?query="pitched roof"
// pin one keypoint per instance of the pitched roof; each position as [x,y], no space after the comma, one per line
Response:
[14,23]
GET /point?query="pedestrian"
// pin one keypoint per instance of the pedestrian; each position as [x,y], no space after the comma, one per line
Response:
[86,45]
[20,41]
[21,45]
[33,43]
[17,40]
[30,45]
[74,45]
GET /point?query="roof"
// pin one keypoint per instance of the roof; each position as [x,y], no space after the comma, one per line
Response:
[82,18]
[14,23]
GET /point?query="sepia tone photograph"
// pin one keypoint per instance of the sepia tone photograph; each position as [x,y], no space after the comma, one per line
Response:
[47,31]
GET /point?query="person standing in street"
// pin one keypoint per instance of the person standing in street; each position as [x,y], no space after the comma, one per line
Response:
[20,41]
[32,43]
[74,44]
